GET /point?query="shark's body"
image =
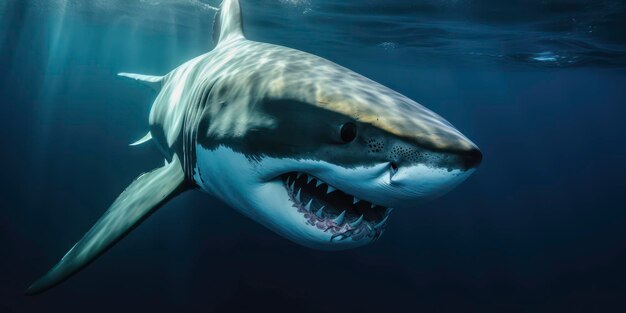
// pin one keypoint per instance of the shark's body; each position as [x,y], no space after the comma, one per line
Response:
[289,139]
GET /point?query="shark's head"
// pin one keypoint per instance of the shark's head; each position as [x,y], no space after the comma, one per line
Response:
[316,152]
[320,154]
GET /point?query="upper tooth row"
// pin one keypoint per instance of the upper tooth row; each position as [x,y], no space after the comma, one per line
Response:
[318,182]
[308,180]
[355,200]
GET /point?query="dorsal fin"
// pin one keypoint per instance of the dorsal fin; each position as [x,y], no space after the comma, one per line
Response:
[228,24]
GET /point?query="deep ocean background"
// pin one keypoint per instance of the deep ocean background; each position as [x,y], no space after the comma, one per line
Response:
[540,86]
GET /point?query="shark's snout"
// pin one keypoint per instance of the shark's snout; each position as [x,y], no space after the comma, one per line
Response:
[463,159]
[471,158]
[403,155]
[415,170]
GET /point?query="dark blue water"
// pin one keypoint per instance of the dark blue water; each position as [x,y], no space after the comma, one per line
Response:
[540,86]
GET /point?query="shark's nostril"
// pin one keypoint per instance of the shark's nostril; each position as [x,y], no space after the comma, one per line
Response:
[394,166]
[393,169]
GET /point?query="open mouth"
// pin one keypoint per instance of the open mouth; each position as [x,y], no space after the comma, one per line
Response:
[332,210]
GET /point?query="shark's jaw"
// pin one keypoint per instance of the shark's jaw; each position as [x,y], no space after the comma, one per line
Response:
[331,210]
[282,195]
[316,203]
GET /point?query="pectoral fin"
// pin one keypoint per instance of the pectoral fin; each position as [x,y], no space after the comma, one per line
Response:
[154,82]
[143,140]
[144,196]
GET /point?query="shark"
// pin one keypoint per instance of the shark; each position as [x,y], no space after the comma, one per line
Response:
[312,150]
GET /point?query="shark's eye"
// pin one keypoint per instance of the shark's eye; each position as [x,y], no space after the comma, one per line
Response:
[348,132]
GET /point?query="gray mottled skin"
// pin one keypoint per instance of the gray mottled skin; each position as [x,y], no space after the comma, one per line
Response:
[241,73]
[242,120]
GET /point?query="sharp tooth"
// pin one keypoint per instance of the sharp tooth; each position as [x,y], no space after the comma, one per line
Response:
[373,205]
[388,211]
[355,200]
[330,189]
[357,222]
[339,219]
[298,195]
[309,179]
[293,183]
[320,212]
[318,183]
[308,206]
[379,225]
[287,181]
[298,175]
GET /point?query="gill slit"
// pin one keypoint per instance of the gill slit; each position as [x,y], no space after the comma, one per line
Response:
[190,129]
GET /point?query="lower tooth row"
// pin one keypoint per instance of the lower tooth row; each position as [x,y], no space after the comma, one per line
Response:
[340,219]
[357,222]
[320,212]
